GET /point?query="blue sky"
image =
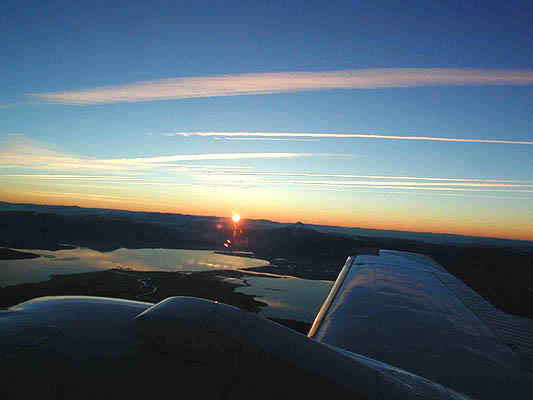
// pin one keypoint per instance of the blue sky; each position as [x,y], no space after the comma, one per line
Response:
[94,52]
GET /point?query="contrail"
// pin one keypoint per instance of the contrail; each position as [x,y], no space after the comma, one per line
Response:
[69,163]
[209,156]
[340,136]
[273,139]
[320,175]
[284,82]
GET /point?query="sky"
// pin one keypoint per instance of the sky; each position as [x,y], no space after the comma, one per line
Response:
[409,117]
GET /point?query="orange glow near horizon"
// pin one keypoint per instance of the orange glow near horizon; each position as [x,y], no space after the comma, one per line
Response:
[506,227]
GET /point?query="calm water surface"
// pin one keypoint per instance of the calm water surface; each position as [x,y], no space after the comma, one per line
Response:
[81,259]
[287,297]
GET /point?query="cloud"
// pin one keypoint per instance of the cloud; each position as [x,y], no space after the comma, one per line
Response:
[375,183]
[414,178]
[196,166]
[396,185]
[175,170]
[464,195]
[20,151]
[273,139]
[94,196]
[209,156]
[282,82]
[245,135]
[218,176]
[295,185]
[409,183]
[413,185]
[117,164]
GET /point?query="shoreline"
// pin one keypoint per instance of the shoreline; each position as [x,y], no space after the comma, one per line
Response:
[7,253]
[238,253]
[140,285]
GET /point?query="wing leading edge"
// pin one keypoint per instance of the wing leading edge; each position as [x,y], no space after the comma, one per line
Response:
[404,309]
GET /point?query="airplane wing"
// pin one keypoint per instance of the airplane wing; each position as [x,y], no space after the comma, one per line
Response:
[404,309]
[394,327]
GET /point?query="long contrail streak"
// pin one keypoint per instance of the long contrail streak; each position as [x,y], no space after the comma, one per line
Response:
[341,136]
[284,82]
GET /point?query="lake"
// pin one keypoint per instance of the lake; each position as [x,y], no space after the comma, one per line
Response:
[287,297]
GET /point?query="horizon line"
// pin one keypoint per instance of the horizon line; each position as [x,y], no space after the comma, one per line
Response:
[278,222]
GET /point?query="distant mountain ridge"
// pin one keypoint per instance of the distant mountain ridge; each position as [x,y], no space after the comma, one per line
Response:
[41,230]
[183,221]
[502,274]
[299,228]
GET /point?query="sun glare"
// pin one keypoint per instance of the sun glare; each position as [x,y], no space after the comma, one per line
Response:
[236,218]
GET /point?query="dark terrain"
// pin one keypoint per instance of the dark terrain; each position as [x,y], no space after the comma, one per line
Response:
[190,223]
[33,230]
[125,284]
[9,254]
[501,274]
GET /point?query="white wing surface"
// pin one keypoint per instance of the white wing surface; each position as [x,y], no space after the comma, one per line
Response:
[404,309]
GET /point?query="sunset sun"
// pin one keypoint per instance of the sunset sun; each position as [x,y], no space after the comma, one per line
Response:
[236,218]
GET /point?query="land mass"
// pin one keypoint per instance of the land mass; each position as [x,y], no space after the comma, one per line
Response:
[10,254]
[501,274]
[125,284]
[187,222]
[128,284]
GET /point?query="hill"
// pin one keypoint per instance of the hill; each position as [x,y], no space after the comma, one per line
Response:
[502,274]
[187,222]
[26,230]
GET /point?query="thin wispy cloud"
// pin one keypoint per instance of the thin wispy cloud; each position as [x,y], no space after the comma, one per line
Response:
[69,163]
[294,185]
[465,195]
[283,82]
[300,135]
[94,196]
[89,195]
[413,193]
[376,183]
[441,185]
[331,186]
[183,170]
[208,156]
[320,175]
[272,139]
[409,183]
[21,151]
[397,186]
[271,178]
[197,166]
[462,189]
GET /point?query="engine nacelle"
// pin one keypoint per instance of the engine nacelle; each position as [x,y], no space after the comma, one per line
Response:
[264,355]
